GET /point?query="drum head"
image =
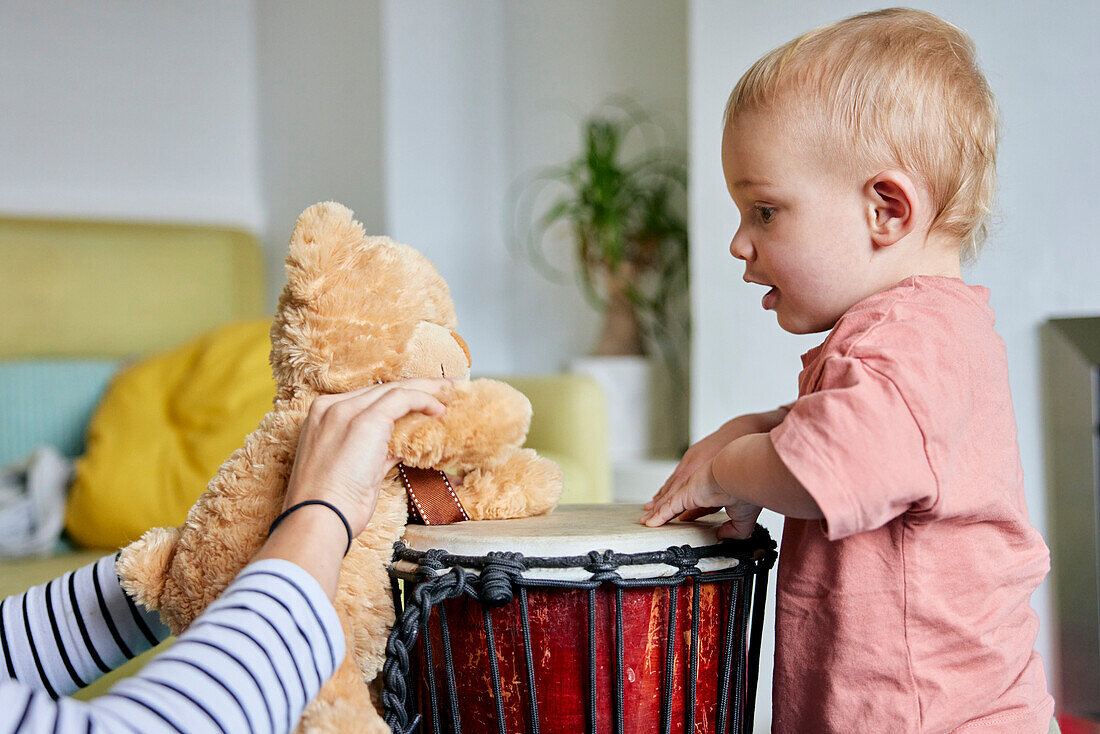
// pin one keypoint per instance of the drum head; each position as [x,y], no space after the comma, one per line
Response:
[574,530]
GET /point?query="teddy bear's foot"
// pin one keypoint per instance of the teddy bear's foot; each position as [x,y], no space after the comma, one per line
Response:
[343,706]
[524,485]
[143,565]
[341,717]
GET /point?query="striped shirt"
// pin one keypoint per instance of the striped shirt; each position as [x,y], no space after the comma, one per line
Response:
[250,663]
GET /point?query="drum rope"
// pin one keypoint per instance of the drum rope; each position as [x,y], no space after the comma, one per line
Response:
[497,578]
[448,662]
[528,655]
[670,661]
[727,660]
[433,696]
[739,692]
[395,671]
[494,669]
[763,567]
[593,720]
[619,660]
[693,671]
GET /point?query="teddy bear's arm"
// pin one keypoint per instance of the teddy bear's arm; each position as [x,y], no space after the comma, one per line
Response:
[485,422]
[523,485]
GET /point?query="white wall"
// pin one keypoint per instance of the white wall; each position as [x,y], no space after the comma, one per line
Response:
[320,122]
[418,115]
[133,109]
[444,158]
[479,94]
[564,58]
[1042,261]
[224,112]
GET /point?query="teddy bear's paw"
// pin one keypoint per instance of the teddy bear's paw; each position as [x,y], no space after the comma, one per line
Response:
[142,566]
[523,485]
[485,422]
[499,413]
[419,440]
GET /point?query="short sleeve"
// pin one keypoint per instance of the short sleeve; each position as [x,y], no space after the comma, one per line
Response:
[857,449]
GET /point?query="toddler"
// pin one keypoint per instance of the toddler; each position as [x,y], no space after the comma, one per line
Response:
[861,157]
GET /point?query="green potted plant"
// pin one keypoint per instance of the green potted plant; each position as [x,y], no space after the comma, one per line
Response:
[619,206]
[622,201]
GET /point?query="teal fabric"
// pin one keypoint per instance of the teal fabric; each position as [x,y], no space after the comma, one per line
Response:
[49,402]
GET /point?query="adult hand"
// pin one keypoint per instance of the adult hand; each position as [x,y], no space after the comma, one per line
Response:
[343,452]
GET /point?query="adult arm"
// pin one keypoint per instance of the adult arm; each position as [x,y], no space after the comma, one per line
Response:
[251,662]
[60,636]
[261,651]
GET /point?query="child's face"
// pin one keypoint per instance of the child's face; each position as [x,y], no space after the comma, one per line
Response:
[804,229]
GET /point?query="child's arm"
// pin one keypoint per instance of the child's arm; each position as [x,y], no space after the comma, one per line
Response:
[707,448]
[744,476]
[750,470]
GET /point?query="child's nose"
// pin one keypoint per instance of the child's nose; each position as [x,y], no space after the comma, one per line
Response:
[741,247]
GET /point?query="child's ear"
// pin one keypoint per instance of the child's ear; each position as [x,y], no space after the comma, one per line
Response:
[892,206]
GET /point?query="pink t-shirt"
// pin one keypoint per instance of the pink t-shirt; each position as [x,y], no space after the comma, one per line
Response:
[907,608]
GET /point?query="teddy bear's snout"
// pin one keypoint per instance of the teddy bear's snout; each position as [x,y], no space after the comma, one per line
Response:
[465,349]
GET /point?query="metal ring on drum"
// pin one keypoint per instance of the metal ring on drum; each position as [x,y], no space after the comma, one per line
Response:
[579,620]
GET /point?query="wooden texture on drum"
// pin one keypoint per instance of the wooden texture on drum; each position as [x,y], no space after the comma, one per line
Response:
[559,643]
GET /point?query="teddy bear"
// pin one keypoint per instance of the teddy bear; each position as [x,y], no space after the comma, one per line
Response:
[356,310]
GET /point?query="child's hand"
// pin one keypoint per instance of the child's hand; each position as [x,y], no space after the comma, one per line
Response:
[699,455]
[701,495]
[742,520]
[707,448]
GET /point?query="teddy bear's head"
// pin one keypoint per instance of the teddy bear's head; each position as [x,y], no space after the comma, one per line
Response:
[358,310]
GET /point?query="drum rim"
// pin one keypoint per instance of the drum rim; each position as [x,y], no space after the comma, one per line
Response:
[685,556]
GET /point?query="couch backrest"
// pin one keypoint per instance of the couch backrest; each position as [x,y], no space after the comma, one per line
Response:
[117,289]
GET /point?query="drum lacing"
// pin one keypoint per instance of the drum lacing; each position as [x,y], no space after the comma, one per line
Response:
[603,565]
[395,672]
[498,576]
[682,557]
[430,587]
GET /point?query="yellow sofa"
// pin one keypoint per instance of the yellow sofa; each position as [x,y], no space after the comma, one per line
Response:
[73,290]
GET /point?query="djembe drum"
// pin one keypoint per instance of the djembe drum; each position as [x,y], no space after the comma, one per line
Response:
[581,620]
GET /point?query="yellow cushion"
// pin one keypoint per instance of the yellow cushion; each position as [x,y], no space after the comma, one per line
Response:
[162,430]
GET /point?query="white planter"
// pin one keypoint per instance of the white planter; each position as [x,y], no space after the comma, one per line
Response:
[640,415]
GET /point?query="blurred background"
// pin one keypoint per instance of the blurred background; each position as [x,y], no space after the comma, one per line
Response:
[425,117]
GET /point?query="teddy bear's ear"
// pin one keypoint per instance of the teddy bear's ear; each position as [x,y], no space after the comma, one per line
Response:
[308,262]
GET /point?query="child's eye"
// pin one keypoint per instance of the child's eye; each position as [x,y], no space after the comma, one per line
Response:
[765,213]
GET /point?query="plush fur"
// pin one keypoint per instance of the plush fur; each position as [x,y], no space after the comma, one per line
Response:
[356,310]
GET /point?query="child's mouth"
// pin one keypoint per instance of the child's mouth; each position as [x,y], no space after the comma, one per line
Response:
[768,301]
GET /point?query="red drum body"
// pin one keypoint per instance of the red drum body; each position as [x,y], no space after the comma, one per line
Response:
[613,639]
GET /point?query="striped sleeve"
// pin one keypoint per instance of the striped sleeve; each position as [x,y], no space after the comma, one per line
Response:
[250,663]
[62,635]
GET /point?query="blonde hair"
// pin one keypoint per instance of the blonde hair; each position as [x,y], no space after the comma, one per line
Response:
[894,87]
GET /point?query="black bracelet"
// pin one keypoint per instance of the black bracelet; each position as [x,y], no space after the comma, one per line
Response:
[292,508]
